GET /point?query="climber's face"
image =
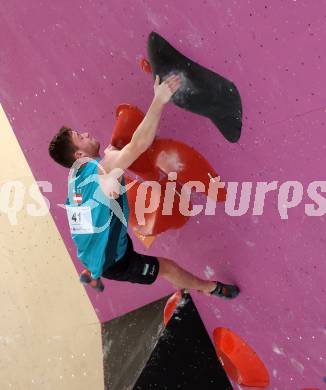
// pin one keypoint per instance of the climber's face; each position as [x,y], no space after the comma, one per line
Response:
[86,145]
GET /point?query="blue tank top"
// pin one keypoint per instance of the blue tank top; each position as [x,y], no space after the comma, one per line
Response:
[107,242]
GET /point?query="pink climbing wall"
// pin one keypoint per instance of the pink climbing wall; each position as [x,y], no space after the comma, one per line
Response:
[73,62]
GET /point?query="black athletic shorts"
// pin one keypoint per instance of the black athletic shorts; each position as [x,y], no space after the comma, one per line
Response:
[133,267]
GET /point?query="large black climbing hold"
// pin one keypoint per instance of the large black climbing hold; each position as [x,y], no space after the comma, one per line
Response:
[202,92]
[184,357]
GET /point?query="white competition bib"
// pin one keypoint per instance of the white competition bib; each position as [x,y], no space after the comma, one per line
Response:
[80,219]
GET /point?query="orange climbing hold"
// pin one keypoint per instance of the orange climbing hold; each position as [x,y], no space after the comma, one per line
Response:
[170,306]
[240,362]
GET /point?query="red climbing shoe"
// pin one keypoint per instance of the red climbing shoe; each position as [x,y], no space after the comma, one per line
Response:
[226,291]
[97,284]
[85,276]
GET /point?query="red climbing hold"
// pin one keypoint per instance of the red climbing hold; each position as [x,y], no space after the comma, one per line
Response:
[240,361]
[152,223]
[146,66]
[128,119]
[170,306]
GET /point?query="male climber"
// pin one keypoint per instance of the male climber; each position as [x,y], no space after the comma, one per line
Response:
[103,243]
